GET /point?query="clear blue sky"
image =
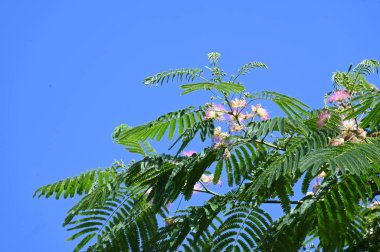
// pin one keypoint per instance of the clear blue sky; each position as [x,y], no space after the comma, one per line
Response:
[70,71]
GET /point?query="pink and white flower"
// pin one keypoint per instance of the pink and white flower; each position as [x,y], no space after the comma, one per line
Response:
[337,141]
[219,183]
[216,112]
[262,113]
[235,127]
[189,153]
[349,125]
[339,95]
[236,103]
[226,154]
[197,187]
[323,118]
[207,179]
[217,131]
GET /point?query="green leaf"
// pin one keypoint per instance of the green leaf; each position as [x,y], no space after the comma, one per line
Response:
[220,87]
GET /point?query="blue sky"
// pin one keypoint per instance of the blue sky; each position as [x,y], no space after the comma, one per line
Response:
[72,70]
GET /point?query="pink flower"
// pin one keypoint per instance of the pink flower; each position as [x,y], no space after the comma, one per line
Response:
[262,113]
[215,112]
[189,153]
[348,125]
[337,141]
[207,179]
[234,127]
[210,114]
[238,103]
[217,131]
[339,95]
[323,118]
[197,186]
[219,145]
[226,154]
[219,182]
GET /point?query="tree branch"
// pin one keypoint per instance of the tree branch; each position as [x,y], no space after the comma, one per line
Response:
[294,202]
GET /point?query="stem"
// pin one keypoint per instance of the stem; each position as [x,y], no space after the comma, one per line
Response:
[203,78]
[207,191]
[270,145]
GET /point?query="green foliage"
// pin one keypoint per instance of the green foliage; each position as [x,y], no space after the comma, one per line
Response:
[249,67]
[187,74]
[291,107]
[222,87]
[124,208]
[79,185]
[243,228]
[133,138]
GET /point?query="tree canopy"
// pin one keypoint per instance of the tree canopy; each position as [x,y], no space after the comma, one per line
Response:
[333,152]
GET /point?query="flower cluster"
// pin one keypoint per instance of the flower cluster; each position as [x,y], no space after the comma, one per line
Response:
[317,183]
[189,153]
[215,112]
[339,95]
[374,205]
[350,130]
[238,103]
[262,113]
[220,138]
[207,179]
[238,117]
[323,118]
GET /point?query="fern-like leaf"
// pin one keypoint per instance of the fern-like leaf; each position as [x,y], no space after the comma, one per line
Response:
[291,106]
[222,87]
[242,229]
[78,185]
[183,74]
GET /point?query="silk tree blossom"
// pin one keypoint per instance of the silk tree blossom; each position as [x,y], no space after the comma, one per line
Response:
[217,131]
[197,186]
[247,116]
[349,125]
[374,205]
[238,103]
[241,117]
[216,112]
[224,135]
[339,95]
[235,127]
[219,136]
[262,113]
[207,179]
[337,141]
[226,154]
[219,183]
[220,144]
[189,153]
[323,118]
[362,134]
